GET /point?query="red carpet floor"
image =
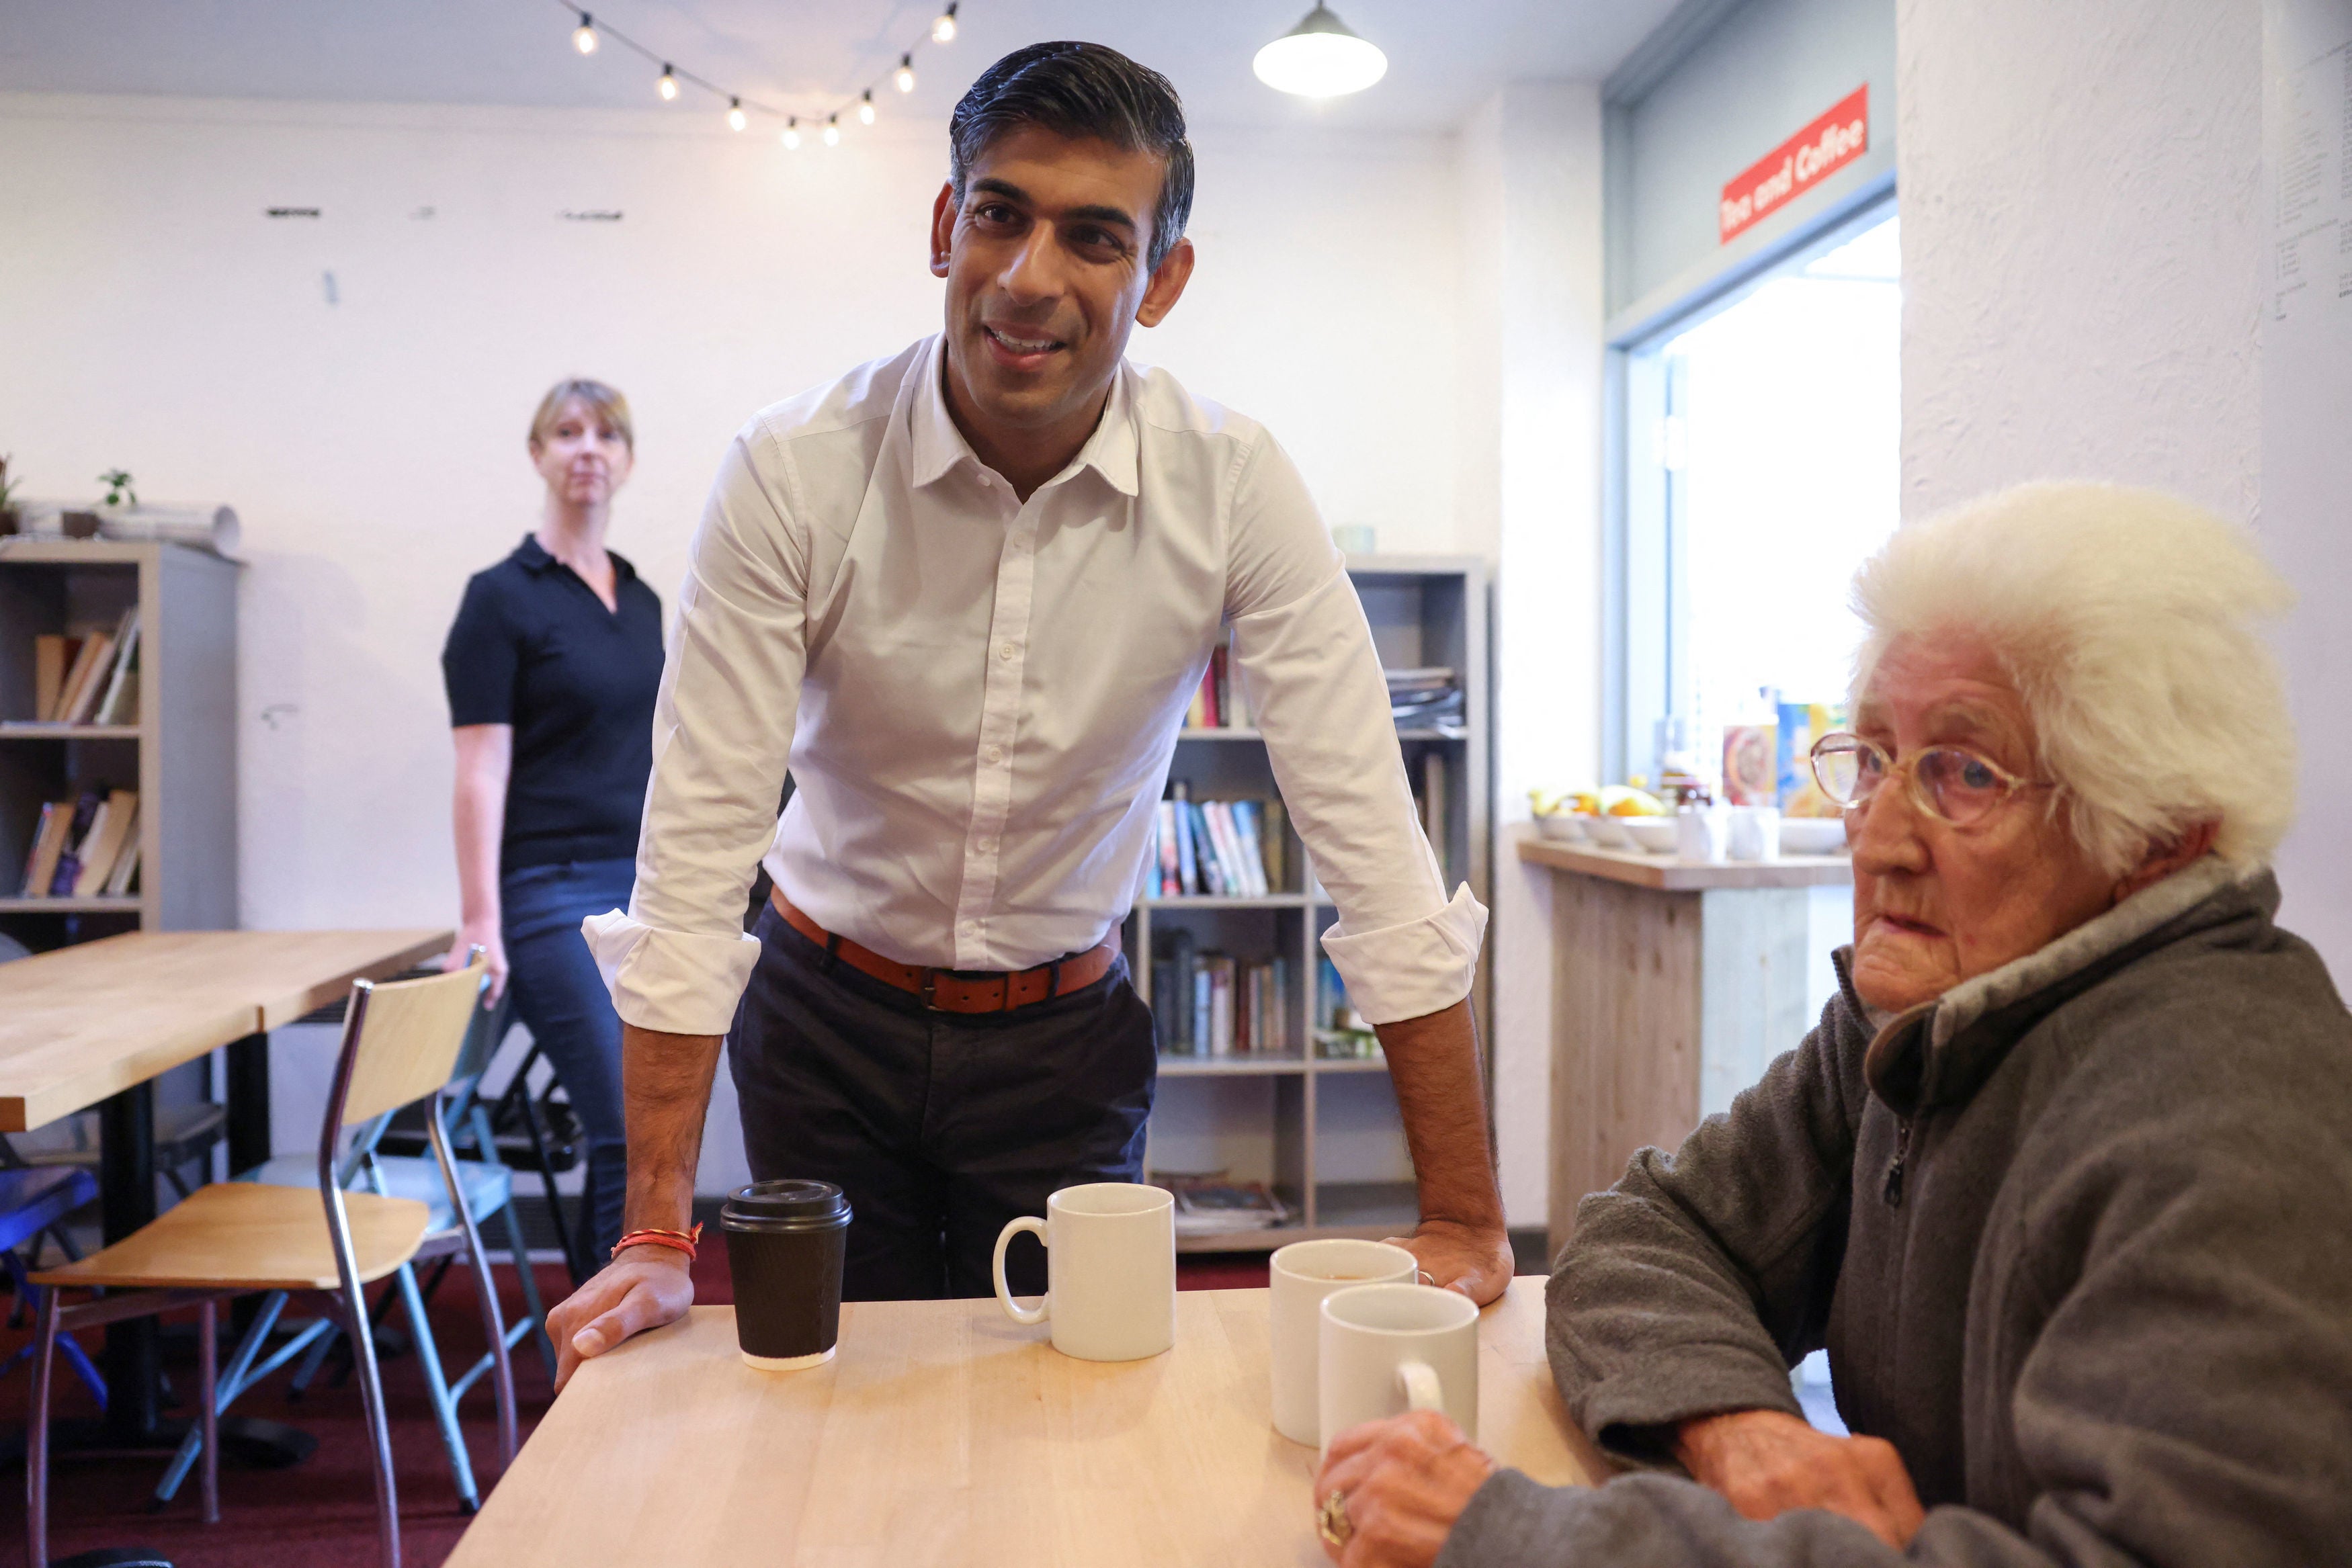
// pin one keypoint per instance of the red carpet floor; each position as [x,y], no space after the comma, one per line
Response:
[323,1511]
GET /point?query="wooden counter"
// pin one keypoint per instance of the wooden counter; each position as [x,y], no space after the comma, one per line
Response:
[1675,983]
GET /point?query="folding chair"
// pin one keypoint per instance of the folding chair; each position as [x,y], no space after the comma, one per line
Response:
[401,1042]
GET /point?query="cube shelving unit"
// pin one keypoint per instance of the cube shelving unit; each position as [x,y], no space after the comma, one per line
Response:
[181,755]
[1322,1132]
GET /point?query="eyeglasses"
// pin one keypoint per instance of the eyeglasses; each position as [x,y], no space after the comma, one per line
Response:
[1947,783]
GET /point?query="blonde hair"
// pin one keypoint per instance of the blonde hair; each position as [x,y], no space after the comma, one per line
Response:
[609,405]
[2128,621]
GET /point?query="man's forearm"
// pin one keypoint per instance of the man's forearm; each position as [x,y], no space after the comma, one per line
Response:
[666,1089]
[1433,1063]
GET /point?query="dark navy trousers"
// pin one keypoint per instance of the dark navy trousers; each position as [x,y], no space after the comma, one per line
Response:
[939,1126]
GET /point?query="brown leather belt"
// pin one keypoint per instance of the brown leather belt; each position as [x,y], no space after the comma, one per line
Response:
[962,990]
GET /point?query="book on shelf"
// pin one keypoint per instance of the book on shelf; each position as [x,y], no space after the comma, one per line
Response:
[1218,703]
[84,847]
[1341,1032]
[1209,1004]
[1426,699]
[1432,797]
[53,655]
[120,702]
[1220,849]
[1207,1205]
[88,679]
[82,679]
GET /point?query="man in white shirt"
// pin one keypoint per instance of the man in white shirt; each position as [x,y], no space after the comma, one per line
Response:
[966,593]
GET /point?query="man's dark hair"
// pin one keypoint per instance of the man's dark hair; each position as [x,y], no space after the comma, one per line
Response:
[1081,90]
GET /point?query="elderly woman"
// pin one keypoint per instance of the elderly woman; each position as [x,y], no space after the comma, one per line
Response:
[2062,1179]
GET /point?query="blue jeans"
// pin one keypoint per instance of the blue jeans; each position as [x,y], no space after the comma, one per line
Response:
[562,999]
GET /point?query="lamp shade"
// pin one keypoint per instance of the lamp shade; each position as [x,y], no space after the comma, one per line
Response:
[1320,58]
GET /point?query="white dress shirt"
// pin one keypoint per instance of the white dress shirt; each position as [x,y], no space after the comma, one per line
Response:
[979,697]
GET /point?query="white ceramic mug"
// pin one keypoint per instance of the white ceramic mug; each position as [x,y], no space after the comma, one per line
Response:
[1387,1349]
[1301,1275]
[1756,833]
[1110,1270]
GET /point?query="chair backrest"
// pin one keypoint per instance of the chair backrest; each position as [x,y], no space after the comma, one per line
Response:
[401,1041]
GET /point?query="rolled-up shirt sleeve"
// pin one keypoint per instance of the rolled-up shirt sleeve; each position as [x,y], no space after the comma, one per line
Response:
[1314,683]
[677,961]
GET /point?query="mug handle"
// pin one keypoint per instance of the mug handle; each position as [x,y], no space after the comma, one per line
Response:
[1421,1390]
[1035,1315]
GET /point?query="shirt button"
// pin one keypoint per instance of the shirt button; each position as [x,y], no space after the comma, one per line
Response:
[987,846]
[995,754]
[1006,651]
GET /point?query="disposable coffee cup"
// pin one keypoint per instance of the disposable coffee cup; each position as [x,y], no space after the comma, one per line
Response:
[786,1240]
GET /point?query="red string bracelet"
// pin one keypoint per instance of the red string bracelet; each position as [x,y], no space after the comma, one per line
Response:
[676,1241]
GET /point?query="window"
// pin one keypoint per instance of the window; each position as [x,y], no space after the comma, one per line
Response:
[1762,467]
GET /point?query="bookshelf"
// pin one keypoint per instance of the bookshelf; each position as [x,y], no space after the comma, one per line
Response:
[1321,1130]
[180,755]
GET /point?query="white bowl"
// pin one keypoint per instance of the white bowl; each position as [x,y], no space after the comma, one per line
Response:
[1609,832]
[1654,834]
[1565,826]
[1812,835]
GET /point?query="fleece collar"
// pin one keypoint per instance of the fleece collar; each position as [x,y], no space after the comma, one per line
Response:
[1937,1052]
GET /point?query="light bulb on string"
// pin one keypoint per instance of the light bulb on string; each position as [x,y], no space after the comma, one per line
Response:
[943,31]
[792,137]
[584,36]
[866,109]
[667,86]
[904,77]
[735,119]
[1320,58]
[833,130]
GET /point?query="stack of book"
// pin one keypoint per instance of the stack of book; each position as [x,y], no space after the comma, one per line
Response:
[88,678]
[1341,1032]
[85,848]
[1219,704]
[1222,849]
[1209,1004]
[1426,699]
[1210,1204]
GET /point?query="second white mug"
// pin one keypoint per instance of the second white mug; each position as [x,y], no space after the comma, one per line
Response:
[1301,1275]
[1388,1349]
[1110,1270]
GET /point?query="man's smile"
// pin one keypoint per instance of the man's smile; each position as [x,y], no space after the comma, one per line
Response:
[1020,350]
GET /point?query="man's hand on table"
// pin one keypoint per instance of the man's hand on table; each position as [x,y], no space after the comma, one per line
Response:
[1407,1480]
[643,1288]
[1767,1462]
[1475,1261]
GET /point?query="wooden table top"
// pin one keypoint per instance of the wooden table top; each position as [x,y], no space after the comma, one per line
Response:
[945,1433]
[86,1021]
[1672,873]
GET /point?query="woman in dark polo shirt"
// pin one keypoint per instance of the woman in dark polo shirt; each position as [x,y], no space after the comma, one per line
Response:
[552,669]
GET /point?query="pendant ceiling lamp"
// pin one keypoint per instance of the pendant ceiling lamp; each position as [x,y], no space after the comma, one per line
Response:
[1320,58]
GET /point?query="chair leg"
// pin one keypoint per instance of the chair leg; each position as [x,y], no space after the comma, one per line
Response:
[494,1325]
[436,1386]
[387,1496]
[37,1438]
[529,1281]
[208,1405]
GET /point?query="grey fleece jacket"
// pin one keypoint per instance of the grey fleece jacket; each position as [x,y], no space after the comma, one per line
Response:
[2077,1236]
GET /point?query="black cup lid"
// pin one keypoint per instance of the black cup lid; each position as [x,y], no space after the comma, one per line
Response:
[788,1202]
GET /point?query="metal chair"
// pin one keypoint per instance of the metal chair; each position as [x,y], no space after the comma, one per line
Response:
[401,1042]
[32,1202]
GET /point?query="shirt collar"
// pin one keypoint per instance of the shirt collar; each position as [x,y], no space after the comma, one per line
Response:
[939,448]
[532,557]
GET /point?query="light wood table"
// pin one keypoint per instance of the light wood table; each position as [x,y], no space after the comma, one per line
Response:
[94,1024]
[944,1433]
[1675,984]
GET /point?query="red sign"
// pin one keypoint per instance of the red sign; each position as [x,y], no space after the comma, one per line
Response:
[1798,164]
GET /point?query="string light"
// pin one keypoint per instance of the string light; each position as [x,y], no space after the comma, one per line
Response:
[587,37]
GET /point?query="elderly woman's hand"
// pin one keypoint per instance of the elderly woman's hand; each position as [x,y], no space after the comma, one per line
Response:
[1404,1481]
[1767,1462]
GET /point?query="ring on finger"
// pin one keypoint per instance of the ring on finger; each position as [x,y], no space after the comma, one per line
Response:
[1423,1277]
[1331,1520]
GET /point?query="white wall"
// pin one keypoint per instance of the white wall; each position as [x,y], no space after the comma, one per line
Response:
[2080,243]
[1530,193]
[371,436]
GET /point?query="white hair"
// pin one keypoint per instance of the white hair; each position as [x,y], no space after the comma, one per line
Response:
[2128,620]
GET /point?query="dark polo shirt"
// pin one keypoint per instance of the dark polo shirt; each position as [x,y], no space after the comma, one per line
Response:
[535,648]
